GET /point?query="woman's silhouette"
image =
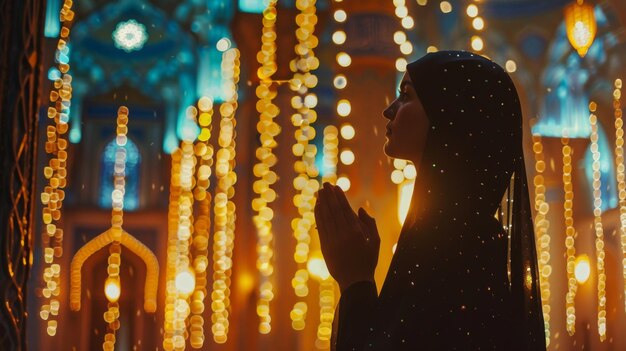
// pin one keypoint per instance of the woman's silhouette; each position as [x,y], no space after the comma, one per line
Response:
[458,279]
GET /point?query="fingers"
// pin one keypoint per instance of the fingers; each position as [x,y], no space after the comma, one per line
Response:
[338,210]
[346,211]
[370,224]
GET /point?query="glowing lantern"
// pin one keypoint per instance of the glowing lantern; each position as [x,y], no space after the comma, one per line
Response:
[580,23]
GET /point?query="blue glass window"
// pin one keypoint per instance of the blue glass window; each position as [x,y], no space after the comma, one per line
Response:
[107,164]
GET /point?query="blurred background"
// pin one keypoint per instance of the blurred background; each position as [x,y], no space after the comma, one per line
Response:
[237,110]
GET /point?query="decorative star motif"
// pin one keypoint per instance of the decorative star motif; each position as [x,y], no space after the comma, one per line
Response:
[130,35]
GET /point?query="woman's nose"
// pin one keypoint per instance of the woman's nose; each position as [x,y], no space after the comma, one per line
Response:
[390,111]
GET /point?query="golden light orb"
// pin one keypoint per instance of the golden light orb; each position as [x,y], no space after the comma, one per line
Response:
[317,267]
[445,7]
[583,269]
[478,23]
[472,10]
[340,16]
[343,108]
[185,282]
[510,66]
[343,59]
[112,289]
[339,37]
[477,43]
[347,131]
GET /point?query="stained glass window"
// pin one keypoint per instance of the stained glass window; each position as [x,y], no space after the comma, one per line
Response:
[107,164]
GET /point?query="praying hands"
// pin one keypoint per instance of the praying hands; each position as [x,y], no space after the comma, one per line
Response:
[349,241]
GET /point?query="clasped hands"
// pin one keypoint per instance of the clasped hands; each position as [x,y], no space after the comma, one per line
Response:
[349,240]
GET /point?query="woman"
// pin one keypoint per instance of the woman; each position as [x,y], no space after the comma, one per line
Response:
[456,281]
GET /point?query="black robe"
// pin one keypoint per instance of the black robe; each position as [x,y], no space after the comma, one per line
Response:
[460,278]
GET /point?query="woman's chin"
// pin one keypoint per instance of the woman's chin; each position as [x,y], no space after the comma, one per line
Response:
[388,149]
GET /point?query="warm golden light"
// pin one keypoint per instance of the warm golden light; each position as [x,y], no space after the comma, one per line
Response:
[185,282]
[340,15]
[541,229]
[583,269]
[317,267]
[477,43]
[404,199]
[478,23]
[445,7]
[343,108]
[340,81]
[510,66]
[347,131]
[339,37]
[407,22]
[580,23]
[343,59]
[570,234]
[399,37]
[472,10]
[401,64]
[346,157]
[112,289]
[223,44]
[344,183]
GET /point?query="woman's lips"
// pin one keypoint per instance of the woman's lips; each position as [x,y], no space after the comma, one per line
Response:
[388,131]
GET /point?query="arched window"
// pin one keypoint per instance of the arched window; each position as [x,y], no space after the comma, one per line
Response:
[107,165]
[608,182]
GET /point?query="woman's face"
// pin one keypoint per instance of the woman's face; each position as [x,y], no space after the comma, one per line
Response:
[408,124]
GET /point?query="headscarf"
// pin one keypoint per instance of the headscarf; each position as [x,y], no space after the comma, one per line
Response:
[472,157]
[473,149]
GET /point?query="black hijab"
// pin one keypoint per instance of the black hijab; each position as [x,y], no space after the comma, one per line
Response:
[473,148]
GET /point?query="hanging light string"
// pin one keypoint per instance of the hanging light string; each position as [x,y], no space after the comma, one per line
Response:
[327,313]
[343,107]
[541,228]
[304,183]
[619,166]
[113,285]
[200,240]
[478,24]
[266,159]
[597,212]
[55,173]
[172,240]
[570,234]
[224,207]
[184,281]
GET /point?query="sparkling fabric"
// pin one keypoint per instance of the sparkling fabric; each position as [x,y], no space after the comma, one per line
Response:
[453,284]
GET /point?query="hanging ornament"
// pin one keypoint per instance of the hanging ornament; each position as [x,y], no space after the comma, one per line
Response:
[580,23]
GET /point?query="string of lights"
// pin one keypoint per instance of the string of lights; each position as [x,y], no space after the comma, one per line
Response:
[224,223]
[112,285]
[619,163]
[343,108]
[597,212]
[55,173]
[541,229]
[304,183]
[266,159]
[200,240]
[170,273]
[570,232]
